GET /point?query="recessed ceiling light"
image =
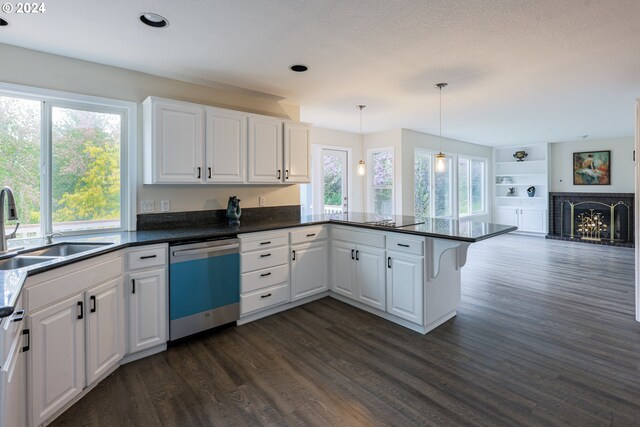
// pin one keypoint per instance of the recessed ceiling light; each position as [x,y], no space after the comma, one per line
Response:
[153,20]
[3,23]
[298,68]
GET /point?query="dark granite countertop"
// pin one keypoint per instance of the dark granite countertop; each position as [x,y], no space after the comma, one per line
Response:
[11,281]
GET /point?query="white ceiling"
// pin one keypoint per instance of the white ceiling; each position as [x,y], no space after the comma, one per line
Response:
[518,71]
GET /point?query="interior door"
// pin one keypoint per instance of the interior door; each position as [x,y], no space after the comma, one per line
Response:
[333,190]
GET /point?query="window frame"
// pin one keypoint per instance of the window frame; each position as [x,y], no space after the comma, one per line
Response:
[369,173]
[128,111]
[485,185]
[432,181]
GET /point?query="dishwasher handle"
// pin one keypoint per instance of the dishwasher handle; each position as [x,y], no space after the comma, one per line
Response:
[200,251]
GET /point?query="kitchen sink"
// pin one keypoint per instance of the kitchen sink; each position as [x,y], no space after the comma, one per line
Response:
[23,261]
[65,249]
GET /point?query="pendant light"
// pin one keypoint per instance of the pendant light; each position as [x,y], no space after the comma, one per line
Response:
[361,166]
[441,162]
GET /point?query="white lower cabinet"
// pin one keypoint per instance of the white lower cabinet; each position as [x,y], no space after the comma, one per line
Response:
[405,286]
[105,328]
[370,276]
[147,292]
[56,358]
[344,269]
[527,220]
[358,273]
[74,332]
[309,269]
[13,387]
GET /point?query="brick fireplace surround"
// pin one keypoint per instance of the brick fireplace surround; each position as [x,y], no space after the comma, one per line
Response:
[555,208]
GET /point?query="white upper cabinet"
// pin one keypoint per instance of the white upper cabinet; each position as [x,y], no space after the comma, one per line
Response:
[188,143]
[226,146]
[173,142]
[265,150]
[297,153]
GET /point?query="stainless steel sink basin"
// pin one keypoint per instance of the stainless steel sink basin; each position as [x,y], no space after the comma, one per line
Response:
[65,249]
[23,261]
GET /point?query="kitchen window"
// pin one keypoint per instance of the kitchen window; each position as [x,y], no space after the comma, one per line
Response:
[380,165]
[472,183]
[66,157]
[433,190]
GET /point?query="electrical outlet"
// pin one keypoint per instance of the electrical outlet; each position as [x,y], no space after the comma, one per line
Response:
[164,206]
[262,201]
[147,206]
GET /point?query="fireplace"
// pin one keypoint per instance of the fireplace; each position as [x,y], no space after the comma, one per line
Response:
[600,218]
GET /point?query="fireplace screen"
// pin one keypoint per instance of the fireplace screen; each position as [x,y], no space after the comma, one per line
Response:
[596,221]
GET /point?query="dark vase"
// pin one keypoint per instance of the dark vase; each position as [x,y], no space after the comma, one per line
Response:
[531,191]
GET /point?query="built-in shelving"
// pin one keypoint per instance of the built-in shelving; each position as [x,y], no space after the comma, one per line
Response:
[529,214]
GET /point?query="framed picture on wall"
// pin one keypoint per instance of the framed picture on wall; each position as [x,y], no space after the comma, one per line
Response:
[592,168]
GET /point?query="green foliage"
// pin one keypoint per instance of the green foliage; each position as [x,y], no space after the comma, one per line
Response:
[332,181]
[85,170]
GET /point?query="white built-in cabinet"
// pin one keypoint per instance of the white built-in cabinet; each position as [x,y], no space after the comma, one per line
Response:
[187,143]
[529,214]
[56,358]
[75,332]
[265,150]
[296,153]
[358,267]
[527,220]
[147,307]
[226,146]
[309,262]
[405,286]
[174,142]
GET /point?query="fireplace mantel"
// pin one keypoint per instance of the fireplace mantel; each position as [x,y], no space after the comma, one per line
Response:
[556,200]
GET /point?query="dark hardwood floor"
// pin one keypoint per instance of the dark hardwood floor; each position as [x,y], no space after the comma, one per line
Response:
[545,335]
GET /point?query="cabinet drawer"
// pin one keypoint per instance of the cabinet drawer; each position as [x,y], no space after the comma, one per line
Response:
[264,259]
[264,241]
[264,298]
[307,234]
[403,244]
[369,238]
[146,258]
[264,278]
[10,327]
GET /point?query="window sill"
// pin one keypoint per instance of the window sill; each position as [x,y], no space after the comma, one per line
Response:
[474,215]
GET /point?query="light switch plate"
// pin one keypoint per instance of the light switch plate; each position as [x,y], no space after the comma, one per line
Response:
[164,206]
[147,206]
[262,201]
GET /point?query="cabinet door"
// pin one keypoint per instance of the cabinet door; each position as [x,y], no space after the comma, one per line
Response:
[507,216]
[405,284]
[105,328]
[178,139]
[265,150]
[56,358]
[297,146]
[147,294]
[344,274]
[226,146]
[370,276]
[308,270]
[533,220]
[13,391]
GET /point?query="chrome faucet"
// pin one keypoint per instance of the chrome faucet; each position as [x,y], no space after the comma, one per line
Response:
[13,215]
[49,237]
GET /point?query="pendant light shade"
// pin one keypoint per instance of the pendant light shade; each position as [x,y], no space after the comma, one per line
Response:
[441,162]
[361,170]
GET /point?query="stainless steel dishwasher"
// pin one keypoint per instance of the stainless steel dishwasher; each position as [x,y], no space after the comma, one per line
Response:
[204,286]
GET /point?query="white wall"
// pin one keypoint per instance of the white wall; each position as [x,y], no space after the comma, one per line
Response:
[392,138]
[412,140]
[353,141]
[622,165]
[32,68]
